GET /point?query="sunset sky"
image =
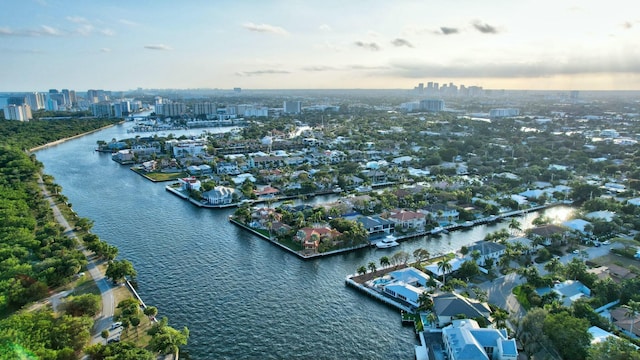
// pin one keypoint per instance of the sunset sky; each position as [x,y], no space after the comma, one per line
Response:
[286,44]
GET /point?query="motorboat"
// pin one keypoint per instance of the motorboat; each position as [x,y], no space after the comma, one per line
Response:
[387,242]
[437,230]
[467,224]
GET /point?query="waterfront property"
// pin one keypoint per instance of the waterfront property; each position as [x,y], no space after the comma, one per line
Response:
[448,306]
[466,340]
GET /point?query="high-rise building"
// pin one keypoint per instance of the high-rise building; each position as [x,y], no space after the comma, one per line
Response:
[18,112]
[171,109]
[103,109]
[59,98]
[51,104]
[504,112]
[36,100]
[292,107]
[433,105]
[70,96]
[206,108]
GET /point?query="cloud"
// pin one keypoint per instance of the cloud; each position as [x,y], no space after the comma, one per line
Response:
[105,50]
[84,30]
[262,72]
[325,28]
[157,47]
[445,30]
[43,30]
[128,22]
[532,69]
[367,67]
[369,46]
[107,32]
[77,19]
[265,28]
[401,42]
[484,28]
[319,68]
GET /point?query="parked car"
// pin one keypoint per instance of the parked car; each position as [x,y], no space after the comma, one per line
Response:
[114,340]
[115,325]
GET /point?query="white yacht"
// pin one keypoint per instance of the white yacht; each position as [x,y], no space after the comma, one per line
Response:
[389,241]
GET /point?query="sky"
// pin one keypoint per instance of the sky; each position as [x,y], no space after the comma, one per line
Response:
[329,44]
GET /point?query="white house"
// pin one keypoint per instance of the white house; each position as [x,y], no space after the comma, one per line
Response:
[487,250]
[411,276]
[404,292]
[189,183]
[408,219]
[465,339]
[189,147]
[219,195]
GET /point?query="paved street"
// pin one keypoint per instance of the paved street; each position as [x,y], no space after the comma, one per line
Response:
[106,317]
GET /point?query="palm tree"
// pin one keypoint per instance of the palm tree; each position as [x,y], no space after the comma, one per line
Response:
[433,319]
[514,226]
[384,261]
[444,267]
[362,270]
[372,266]
[633,308]
[554,265]
[500,318]
[425,302]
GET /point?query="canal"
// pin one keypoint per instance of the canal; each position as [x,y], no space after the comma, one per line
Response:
[240,297]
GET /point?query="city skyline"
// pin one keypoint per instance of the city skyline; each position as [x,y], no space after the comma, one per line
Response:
[542,45]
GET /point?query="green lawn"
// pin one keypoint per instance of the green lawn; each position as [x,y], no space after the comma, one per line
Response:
[160,176]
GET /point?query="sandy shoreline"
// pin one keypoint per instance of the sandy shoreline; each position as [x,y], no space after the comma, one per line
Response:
[53,143]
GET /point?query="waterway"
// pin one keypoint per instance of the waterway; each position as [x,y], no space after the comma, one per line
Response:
[240,297]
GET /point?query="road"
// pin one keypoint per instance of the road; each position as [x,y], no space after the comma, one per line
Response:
[105,318]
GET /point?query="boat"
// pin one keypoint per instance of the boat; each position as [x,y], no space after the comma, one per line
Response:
[467,224]
[437,230]
[389,241]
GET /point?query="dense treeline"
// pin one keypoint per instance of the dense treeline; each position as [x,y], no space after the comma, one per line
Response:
[36,257]
[27,135]
[34,253]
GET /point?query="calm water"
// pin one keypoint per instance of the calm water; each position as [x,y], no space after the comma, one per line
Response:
[240,296]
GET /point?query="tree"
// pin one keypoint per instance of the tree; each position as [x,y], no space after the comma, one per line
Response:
[421,255]
[469,269]
[425,301]
[554,265]
[530,331]
[500,318]
[151,311]
[444,266]
[569,335]
[86,304]
[613,348]
[166,339]
[362,270]
[514,226]
[117,270]
[384,261]
[633,309]
[135,322]
[372,266]
[575,269]
[475,255]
